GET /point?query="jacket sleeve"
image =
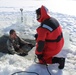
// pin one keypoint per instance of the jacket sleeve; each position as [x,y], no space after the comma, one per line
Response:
[10,47]
[25,43]
[40,40]
[22,41]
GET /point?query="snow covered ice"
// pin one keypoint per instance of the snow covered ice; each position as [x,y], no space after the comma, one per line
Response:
[10,18]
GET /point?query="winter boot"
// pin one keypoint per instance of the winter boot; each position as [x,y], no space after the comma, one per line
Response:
[60,61]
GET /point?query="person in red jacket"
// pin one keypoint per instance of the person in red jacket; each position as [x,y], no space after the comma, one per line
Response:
[49,39]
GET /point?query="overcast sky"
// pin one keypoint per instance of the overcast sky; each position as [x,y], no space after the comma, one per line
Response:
[63,6]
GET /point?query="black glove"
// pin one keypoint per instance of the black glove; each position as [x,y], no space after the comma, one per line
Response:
[36,35]
[40,56]
[31,45]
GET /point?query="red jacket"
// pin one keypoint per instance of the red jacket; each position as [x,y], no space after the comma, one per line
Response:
[51,33]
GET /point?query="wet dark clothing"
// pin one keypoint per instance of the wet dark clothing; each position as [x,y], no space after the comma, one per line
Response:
[17,46]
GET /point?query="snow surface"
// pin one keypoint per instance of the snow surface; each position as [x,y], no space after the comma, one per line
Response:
[10,17]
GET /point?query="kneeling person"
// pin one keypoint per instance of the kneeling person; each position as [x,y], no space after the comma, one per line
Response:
[49,39]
